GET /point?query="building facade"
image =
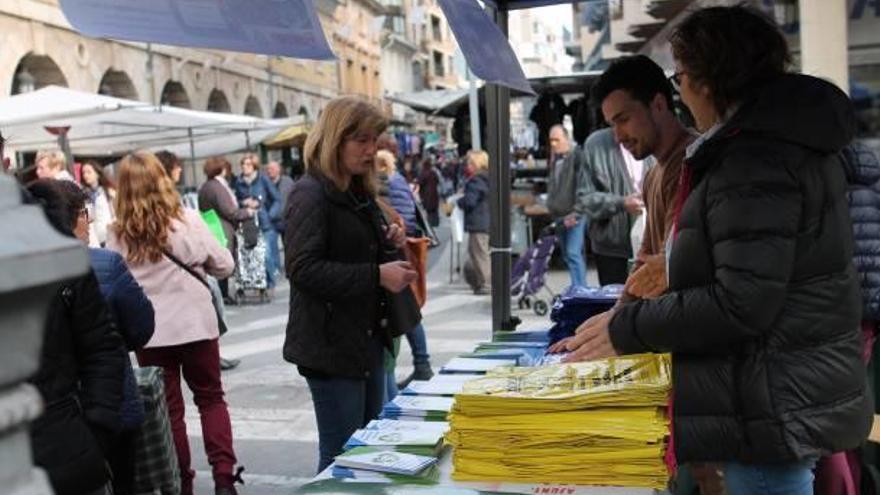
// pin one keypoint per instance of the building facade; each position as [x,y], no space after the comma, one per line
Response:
[436,59]
[357,27]
[400,71]
[538,44]
[40,48]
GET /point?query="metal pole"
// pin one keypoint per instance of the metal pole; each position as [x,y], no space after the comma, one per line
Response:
[474,105]
[64,146]
[192,154]
[498,147]
[452,244]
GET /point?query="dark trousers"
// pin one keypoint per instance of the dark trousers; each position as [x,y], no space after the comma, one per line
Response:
[611,270]
[121,459]
[199,363]
[418,343]
[342,405]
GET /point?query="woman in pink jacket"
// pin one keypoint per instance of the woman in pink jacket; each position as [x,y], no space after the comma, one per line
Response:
[169,250]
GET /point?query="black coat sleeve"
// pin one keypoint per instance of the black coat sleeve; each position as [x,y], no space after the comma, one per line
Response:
[305,247]
[100,355]
[133,310]
[752,210]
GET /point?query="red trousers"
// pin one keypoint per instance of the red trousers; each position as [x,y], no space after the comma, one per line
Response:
[199,363]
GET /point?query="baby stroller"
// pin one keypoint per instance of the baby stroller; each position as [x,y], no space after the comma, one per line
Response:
[529,273]
[250,269]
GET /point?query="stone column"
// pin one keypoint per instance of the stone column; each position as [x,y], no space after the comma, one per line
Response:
[824,40]
[34,258]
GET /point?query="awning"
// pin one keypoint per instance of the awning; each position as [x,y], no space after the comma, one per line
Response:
[293,136]
[441,102]
[103,125]
[447,102]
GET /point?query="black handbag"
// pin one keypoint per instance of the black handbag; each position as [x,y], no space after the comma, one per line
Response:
[221,324]
[401,312]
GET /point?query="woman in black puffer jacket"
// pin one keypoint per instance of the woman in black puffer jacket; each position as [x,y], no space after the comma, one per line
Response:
[763,308]
[81,367]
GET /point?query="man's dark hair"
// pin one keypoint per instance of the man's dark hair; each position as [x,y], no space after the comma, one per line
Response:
[733,50]
[62,200]
[638,75]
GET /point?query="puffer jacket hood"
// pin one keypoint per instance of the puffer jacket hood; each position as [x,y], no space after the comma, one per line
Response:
[802,110]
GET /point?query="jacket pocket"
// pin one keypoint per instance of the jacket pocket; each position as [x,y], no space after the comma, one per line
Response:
[64,445]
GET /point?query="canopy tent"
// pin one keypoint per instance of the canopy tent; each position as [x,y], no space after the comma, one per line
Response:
[442,102]
[446,102]
[293,136]
[104,125]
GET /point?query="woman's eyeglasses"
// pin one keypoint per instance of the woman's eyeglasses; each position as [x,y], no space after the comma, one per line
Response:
[675,80]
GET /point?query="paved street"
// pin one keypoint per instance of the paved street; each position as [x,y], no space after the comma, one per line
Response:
[272,416]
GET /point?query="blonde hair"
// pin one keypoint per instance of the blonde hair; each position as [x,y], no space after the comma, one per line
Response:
[146,203]
[480,159]
[341,119]
[385,163]
[57,159]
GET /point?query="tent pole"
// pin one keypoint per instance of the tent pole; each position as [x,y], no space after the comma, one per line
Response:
[192,154]
[498,147]
[64,145]
[474,107]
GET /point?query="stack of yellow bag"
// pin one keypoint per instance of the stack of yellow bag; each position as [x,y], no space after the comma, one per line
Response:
[596,423]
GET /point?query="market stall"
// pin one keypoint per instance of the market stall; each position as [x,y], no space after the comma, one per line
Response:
[98,125]
[509,418]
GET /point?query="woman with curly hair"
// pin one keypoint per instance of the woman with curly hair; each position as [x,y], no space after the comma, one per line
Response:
[170,250]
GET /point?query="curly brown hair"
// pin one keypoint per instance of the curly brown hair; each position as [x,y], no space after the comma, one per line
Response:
[146,203]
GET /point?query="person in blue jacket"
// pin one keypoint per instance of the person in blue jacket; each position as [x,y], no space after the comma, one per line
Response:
[475,204]
[255,190]
[132,312]
[394,188]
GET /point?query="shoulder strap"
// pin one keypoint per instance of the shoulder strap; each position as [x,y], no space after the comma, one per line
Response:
[187,268]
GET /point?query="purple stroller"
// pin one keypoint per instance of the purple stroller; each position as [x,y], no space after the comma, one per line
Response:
[529,273]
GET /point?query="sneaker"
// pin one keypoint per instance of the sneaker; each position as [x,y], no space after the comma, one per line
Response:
[228,364]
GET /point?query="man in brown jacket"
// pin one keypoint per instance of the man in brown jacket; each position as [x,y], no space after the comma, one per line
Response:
[636,101]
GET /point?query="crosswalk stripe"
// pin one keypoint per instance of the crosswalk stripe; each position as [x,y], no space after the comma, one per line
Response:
[264,479]
[261,324]
[274,343]
[433,306]
[283,425]
[251,347]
